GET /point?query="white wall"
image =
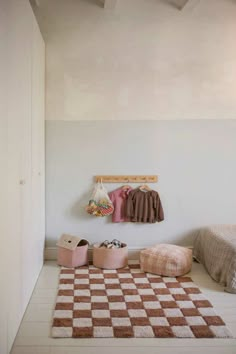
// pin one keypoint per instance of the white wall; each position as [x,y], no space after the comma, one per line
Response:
[22,85]
[195,161]
[144,60]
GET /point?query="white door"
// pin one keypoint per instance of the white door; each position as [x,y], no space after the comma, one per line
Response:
[37,133]
[25,242]
[26,157]
[4,62]
[19,103]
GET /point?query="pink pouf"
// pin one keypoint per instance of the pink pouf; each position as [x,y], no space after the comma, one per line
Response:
[166,259]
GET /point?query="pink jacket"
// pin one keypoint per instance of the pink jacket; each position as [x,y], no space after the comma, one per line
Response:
[118,198]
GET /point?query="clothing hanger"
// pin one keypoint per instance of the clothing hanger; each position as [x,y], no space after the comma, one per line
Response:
[145,187]
[125,187]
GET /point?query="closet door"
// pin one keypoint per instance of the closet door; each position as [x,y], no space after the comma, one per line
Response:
[20,29]
[25,160]
[4,62]
[37,134]
[33,234]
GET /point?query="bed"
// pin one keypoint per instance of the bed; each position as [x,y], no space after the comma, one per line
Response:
[215,248]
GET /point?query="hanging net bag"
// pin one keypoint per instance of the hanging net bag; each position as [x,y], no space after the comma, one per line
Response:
[100,204]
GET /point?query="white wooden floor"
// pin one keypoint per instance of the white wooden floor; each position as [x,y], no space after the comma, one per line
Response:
[34,334]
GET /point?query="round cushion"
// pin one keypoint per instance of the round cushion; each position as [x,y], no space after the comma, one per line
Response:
[165,259]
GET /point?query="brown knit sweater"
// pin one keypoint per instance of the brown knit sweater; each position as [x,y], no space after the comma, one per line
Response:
[144,206]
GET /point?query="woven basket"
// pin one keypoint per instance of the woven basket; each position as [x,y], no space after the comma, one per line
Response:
[110,258]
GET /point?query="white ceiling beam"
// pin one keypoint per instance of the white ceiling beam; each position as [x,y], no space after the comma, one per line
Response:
[189,4]
[109,4]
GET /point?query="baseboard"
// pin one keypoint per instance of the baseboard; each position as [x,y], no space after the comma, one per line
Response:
[50,253]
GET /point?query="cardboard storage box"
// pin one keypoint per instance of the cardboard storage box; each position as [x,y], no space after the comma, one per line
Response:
[110,258]
[72,251]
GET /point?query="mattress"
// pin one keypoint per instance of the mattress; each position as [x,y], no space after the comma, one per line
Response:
[215,248]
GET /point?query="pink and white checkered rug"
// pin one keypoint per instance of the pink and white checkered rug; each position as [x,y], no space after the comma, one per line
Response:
[123,303]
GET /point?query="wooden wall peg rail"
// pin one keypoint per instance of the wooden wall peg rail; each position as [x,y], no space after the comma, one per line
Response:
[127,179]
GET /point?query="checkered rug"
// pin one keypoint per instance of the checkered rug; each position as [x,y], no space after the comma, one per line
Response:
[126,303]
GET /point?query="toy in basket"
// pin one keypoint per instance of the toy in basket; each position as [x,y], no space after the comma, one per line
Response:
[110,255]
[100,203]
